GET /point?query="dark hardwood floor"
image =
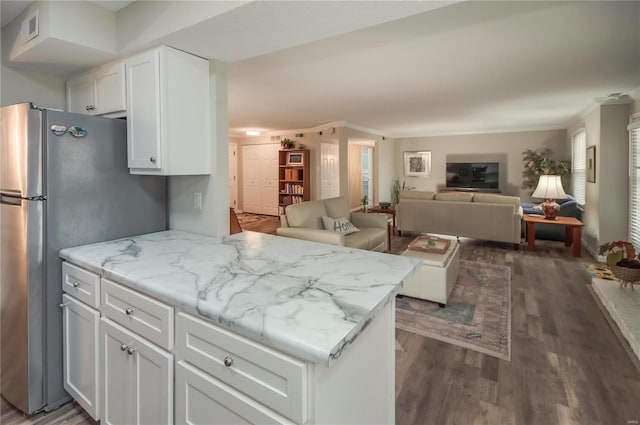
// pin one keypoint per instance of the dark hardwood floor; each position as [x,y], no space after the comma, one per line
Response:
[567,367]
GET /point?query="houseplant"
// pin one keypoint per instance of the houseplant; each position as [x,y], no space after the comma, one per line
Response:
[622,260]
[538,162]
[287,144]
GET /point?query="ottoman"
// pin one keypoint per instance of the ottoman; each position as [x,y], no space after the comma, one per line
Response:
[435,278]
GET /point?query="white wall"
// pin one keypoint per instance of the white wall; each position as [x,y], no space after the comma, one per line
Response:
[612,174]
[505,148]
[607,200]
[17,85]
[213,219]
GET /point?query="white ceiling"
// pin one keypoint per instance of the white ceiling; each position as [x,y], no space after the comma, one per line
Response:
[464,68]
[404,68]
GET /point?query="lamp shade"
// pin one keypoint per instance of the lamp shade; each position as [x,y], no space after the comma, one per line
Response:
[549,187]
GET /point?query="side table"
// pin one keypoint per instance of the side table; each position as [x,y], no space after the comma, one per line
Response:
[572,232]
[391,210]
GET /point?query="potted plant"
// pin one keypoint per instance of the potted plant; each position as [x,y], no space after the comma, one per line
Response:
[538,162]
[622,260]
[287,144]
[364,200]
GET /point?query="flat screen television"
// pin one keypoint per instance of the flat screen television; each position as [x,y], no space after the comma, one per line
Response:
[480,176]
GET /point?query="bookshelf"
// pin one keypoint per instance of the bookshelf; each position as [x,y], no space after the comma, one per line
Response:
[293,176]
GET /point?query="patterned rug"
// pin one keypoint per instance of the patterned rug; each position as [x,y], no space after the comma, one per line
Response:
[248,218]
[478,315]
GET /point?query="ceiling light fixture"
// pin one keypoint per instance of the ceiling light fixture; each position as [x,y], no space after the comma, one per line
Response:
[252,133]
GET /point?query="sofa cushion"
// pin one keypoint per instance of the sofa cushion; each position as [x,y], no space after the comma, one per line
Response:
[455,196]
[306,214]
[339,225]
[416,194]
[337,207]
[366,238]
[496,199]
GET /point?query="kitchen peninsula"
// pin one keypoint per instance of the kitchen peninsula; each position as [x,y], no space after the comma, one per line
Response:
[267,329]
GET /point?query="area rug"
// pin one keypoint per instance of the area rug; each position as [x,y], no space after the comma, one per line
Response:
[248,218]
[478,315]
[600,271]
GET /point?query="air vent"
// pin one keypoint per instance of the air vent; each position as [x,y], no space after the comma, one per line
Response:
[30,27]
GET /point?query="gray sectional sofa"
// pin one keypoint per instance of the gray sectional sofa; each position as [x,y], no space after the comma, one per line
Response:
[475,215]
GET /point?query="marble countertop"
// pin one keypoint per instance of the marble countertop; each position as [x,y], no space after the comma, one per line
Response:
[307,299]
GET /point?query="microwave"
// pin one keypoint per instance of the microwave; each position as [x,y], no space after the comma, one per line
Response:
[295,158]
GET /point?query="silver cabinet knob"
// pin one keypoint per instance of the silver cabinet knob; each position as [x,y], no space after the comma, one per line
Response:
[228,361]
[123,347]
[75,284]
[131,350]
[152,159]
[63,305]
[128,311]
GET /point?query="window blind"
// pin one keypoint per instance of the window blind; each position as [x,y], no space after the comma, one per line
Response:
[634,184]
[579,167]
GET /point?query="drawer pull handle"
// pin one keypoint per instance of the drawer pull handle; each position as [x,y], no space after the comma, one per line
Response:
[228,361]
[131,350]
[75,284]
[63,305]
[124,347]
[128,311]
[152,159]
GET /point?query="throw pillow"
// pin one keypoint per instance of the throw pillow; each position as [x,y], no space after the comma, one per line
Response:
[339,225]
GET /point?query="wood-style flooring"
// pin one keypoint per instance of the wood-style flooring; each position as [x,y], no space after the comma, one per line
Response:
[567,366]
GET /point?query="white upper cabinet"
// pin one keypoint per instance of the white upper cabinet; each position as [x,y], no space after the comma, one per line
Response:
[168,118]
[99,92]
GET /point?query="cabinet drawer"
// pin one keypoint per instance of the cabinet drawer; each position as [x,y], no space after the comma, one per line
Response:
[202,399]
[143,315]
[81,284]
[269,377]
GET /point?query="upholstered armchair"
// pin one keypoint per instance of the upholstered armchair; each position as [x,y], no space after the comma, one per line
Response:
[305,221]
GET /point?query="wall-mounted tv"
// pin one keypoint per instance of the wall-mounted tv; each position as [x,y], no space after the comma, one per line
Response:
[480,176]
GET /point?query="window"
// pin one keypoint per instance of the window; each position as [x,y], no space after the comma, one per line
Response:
[579,167]
[634,183]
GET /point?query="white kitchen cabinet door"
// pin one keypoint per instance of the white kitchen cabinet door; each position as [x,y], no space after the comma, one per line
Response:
[110,95]
[143,111]
[116,371]
[137,376]
[81,95]
[153,373]
[203,400]
[81,365]
[168,119]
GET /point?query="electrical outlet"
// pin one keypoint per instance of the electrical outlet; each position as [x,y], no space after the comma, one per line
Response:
[197,200]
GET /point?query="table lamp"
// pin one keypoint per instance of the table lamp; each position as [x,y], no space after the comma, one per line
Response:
[550,189]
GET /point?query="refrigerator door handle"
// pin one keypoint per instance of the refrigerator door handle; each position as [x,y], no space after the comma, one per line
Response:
[10,200]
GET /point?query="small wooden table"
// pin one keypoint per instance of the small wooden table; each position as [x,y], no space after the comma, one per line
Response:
[391,210]
[572,231]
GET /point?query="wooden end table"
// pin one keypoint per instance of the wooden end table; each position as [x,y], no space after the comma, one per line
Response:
[572,231]
[391,210]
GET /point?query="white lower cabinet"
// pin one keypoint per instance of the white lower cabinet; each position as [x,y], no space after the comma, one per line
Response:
[201,399]
[137,378]
[80,352]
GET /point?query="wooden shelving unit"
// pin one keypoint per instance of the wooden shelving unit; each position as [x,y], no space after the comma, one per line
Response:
[293,176]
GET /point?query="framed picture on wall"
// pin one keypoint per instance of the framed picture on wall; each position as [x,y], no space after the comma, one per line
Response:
[591,164]
[417,164]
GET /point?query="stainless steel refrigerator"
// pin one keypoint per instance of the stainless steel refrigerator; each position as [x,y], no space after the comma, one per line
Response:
[64,182]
